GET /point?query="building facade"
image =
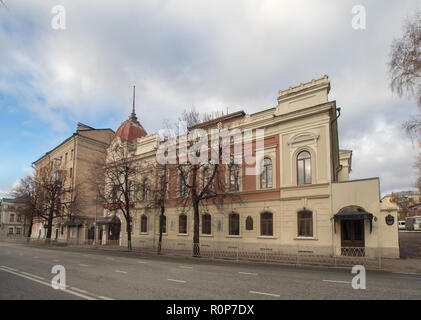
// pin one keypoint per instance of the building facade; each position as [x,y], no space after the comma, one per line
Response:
[12,222]
[76,157]
[301,199]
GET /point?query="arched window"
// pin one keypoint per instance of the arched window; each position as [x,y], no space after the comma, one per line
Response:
[249,223]
[234,178]
[266,177]
[305,223]
[304,168]
[163,221]
[206,224]
[266,224]
[182,224]
[143,223]
[146,189]
[131,191]
[183,180]
[234,224]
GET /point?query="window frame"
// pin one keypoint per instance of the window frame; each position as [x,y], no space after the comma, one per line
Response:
[206,224]
[181,217]
[307,233]
[234,224]
[143,223]
[236,174]
[303,160]
[264,173]
[266,224]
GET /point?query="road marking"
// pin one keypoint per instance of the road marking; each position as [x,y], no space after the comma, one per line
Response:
[9,268]
[105,298]
[49,284]
[33,275]
[248,273]
[83,265]
[119,271]
[79,290]
[337,281]
[186,267]
[265,294]
[174,280]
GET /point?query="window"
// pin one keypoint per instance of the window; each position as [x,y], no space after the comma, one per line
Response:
[207,176]
[163,220]
[18,230]
[234,224]
[182,224]
[12,217]
[131,191]
[304,168]
[182,184]
[10,230]
[143,223]
[146,189]
[19,218]
[206,224]
[266,177]
[234,178]
[266,224]
[249,223]
[71,155]
[65,158]
[305,223]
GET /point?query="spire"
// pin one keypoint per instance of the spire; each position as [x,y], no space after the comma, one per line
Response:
[133,117]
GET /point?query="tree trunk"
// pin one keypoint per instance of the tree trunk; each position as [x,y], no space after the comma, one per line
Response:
[49,224]
[196,245]
[161,226]
[129,234]
[30,228]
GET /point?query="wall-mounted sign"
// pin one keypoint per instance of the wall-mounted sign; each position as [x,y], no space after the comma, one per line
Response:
[390,220]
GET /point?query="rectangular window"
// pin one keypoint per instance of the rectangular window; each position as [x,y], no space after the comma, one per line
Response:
[266,224]
[305,224]
[18,230]
[12,218]
[71,155]
[10,230]
[206,224]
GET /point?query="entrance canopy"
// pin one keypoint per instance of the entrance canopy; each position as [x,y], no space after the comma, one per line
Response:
[108,220]
[353,213]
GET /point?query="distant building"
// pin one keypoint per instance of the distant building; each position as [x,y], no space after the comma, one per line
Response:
[77,156]
[407,202]
[12,223]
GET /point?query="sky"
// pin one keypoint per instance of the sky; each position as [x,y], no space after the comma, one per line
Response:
[211,55]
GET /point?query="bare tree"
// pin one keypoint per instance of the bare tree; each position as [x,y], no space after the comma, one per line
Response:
[117,178]
[405,60]
[56,198]
[26,193]
[201,184]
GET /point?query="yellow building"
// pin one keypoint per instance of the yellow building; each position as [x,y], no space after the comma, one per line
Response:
[302,201]
[77,156]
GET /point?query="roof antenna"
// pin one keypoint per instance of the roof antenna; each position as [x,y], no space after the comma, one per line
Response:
[133,117]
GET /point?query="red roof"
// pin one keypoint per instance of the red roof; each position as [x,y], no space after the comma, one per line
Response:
[130,131]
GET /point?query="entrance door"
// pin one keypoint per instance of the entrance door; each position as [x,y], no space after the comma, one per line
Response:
[352,237]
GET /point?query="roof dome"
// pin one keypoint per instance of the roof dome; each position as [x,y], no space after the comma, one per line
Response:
[131,129]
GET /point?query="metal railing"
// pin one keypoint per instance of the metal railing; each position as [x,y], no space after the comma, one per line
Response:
[235,251]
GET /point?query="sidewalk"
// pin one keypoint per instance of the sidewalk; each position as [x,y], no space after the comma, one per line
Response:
[402,266]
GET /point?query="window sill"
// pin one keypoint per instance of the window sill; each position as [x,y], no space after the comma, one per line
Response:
[305,238]
[267,237]
[182,234]
[164,234]
[233,236]
[143,233]
[207,235]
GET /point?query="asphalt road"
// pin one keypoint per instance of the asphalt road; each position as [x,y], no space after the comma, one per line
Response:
[26,273]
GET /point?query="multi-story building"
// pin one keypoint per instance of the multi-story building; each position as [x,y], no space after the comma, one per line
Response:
[12,222]
[407,202]
[302,197]
[76,157]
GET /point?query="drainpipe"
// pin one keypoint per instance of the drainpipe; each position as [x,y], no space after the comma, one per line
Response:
[332,144]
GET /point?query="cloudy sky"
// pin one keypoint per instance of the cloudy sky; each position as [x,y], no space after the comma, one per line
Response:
[212,55]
